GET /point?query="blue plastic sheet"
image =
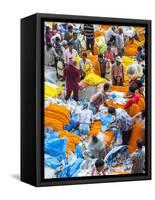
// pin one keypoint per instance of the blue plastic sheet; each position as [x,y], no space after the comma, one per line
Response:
[79,151]
[52,162]
[56,148]
[71,169]
[105,119]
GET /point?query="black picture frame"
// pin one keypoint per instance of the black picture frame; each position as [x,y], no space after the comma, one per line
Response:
[32,101]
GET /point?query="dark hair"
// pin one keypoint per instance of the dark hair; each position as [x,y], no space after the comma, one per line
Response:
[99,163]
[139,48]
[70,43]
[84,54]
[47,28]
[74,33]
[140,143]
[100,56]
[106,86]
[143,114]
[57,39]
[111,110]
[70,27]
[94,139]
[132,89]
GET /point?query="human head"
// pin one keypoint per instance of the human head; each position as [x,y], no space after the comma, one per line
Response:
[139,48]
[99,164]
[57,39]
[100,57]
[140,143]
[70,45]
[118,60]
[109,48]
[65,44]
[106,87]
[74,36]
[132,89]
[94,139]
[120,30]
[47,29]
[112,110]
[113,28]
[70,28]
[84,56]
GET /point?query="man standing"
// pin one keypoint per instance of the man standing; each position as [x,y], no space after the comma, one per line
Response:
[120,42]
[76,43]
[70,53]
[89,33]
[117,72]
[72,76]
[84,65]
[138,159]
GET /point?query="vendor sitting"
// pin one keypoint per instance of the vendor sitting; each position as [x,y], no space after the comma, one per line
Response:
[98,169]
[98,99]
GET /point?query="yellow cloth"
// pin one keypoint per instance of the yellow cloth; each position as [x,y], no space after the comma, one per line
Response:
[93,79]
[52,90]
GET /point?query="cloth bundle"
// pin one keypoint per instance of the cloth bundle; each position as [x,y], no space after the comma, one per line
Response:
[95,128]
[72,140]
[93,79]
[56,116]
[52,90]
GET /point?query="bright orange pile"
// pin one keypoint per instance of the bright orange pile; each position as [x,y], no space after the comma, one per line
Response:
[108,137]
[105,27]
[95,128]
[131,47]
[110,103]
[119,88]
[136,134]
[72,140]
[98,33]
[56,116]
[136,108]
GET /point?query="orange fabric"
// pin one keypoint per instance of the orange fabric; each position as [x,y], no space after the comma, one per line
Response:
[136,134]
[133,110]
[105,27]
[98,33]
[95,50]
[108,137]
[141,104]
[56,116]
[119,88]
[115,105]
[72,140]
[95,128]
[97,68]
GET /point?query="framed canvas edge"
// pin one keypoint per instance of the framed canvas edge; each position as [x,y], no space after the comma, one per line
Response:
[85,180]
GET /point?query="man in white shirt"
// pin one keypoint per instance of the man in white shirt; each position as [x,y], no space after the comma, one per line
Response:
[85,118]
[70,53]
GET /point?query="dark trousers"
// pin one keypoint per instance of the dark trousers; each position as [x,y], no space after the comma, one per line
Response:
[90,45]
[126,137]
[115,82]
[73,89]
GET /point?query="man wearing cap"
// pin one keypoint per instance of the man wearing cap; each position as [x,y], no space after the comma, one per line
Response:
[117,72]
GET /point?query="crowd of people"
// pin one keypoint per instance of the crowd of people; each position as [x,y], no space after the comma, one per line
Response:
[101,70]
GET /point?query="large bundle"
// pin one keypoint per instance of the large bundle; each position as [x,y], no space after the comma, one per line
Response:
[56,116]
[72,140]
[95,128]
[52,90]
[93,79]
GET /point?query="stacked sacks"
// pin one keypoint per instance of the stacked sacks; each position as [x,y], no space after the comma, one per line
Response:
[56,116]
[72,140]
[52,90]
